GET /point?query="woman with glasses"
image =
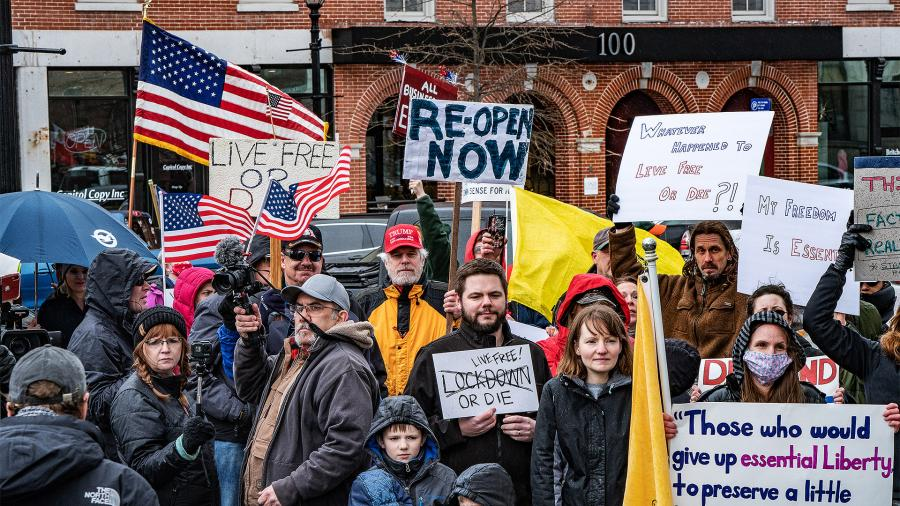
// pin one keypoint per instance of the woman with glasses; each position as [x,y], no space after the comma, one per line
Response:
[158,432]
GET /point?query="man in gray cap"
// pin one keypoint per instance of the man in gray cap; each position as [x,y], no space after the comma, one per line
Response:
[600,254]
[316,399]
[63,459]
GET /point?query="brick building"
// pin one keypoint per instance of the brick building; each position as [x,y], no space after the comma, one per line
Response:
[826,67]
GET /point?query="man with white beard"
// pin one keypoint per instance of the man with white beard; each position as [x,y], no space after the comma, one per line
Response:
[408,313]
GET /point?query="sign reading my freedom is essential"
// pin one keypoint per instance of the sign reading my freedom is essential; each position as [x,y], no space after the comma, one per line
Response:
[418,84]
[468,142]
[473,381]
[786,454]
[821,371]
[240,169]
[876,200]
[790,235]
[690,166]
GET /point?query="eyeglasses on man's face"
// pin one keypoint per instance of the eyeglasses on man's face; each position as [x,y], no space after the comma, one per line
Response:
[313,309]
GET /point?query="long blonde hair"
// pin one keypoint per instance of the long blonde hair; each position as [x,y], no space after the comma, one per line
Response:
[143,369]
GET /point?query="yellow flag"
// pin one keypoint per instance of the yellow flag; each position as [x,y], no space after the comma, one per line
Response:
[648,456]
[553,243]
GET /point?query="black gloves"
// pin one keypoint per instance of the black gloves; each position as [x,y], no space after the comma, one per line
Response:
[850,242]
[7,361]
[226,310]
[196,432]
[612,206]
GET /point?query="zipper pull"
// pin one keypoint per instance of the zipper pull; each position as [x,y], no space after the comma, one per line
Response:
[407,467]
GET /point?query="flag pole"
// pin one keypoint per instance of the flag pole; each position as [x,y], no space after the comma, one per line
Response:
[454,238]
[133,175]
[162,237]
[256,223]
[649,245]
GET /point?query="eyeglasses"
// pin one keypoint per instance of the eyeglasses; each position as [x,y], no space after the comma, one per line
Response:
[311,309]
[871,284]
[156,343]
[299,255]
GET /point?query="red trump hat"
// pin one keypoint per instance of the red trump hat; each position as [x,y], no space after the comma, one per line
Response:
[402,235]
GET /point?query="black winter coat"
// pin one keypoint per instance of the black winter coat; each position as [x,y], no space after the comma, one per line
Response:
[103,340]
[853,352]
[593,439]
[58,460]
[460,452]
[61,312]
[146,429]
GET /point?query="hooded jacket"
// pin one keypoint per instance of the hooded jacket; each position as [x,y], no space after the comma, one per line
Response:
[317,446]
[730,391]
[186,288]
[592,435]
[486,484]
[706,315]
[883,300]
[425,481]
[58,460]
[103,339]
[582,283]
[460,452]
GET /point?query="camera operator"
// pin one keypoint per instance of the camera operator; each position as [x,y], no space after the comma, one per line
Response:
[7,361]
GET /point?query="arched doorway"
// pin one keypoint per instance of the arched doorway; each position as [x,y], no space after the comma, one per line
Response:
[636,103]
[740,101]
[541,177]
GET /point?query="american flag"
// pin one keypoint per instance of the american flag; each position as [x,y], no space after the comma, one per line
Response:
[279,107]
[193,225]
[187,95]
[286,214]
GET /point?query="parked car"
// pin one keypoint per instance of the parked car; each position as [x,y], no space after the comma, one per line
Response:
[351,237]
[830,175]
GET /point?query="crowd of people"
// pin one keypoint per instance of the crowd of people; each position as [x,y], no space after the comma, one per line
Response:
[312,395]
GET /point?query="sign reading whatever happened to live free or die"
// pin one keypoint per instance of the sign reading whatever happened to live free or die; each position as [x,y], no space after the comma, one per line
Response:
[876,201]
[240,169]
[787,454]
[790,234]
[474,381]
[468,141]
[690,166]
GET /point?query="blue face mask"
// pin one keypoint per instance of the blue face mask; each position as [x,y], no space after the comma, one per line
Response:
[766,368]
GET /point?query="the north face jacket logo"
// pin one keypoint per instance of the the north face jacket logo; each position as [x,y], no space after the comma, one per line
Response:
[104,495]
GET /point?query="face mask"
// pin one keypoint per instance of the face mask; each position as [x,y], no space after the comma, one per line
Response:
[767,368]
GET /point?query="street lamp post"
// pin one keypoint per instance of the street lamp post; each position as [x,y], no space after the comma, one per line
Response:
[315,45]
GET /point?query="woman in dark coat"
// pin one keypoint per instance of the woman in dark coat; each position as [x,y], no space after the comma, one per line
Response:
[151,415]
[65,309]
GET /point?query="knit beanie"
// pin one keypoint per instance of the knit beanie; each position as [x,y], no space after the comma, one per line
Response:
[154,316]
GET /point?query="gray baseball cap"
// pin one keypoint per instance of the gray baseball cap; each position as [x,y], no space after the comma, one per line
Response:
[47,363]
[322,287]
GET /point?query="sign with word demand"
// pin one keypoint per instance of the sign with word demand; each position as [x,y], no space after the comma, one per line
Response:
[820,371]
[786,454]
[474,381]
[790,235]
[876,199]
[468,142]
[240,169]
[418,84]
[690,166]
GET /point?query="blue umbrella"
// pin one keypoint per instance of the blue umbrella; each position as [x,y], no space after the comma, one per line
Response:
[46,227]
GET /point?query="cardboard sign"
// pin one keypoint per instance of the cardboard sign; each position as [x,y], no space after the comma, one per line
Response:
[786,454]
[418,84]
[468,142]
[525,331]
[820,371]
[790,235]
[473,381]
[483,192]
[240,169]
[690,166]
[876,200]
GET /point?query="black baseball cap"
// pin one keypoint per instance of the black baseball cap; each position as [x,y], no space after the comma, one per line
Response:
[312,236]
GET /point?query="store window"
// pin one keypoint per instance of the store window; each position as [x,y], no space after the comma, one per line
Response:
[297,82]
[844,118]
[409,10]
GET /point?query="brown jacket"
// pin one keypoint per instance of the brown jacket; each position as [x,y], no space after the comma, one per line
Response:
[706,316]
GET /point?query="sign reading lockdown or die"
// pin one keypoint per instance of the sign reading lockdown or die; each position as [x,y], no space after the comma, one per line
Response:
[690,166]
[240,169]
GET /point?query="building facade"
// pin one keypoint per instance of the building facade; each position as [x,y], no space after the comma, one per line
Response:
[829,70]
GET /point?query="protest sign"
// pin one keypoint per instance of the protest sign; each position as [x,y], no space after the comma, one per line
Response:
[876,199]
[738,454]
[484,192]
[418,84]
[690,166]
[820,371]
[790,235]
[240,169]
[468,142]
[525,331]
[473,381]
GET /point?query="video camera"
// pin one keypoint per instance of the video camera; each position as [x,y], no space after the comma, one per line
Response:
[235,279]
[20,341]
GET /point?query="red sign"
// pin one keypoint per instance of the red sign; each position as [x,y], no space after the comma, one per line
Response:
[820,371]
[418,84]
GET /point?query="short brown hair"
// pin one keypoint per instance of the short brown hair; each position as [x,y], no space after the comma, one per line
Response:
[479,266]
[597,317]
[714,228]
[49,390]
[142,369]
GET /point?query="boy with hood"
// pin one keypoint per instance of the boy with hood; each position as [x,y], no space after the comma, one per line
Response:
[406,455]
[483,485]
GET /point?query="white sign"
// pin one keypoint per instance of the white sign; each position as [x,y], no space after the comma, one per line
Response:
[790,235]
[690,166]
[820,371]
[786,454]
[474,381]
[467,141]
[592,186]
[240,169]
[530,332]
[484,192]
[877,203]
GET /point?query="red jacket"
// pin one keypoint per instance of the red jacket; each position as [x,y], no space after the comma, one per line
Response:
[555,346]
[186,288]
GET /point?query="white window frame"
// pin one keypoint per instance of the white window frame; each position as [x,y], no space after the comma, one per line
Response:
[545,16]
[109,5]
[267,6]
[661,14]
[869,6]
[767,14]
[426,16]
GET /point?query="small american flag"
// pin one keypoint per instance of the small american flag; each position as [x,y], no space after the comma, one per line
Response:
[278,106]
[193,225]
[286,214]
[187,95]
